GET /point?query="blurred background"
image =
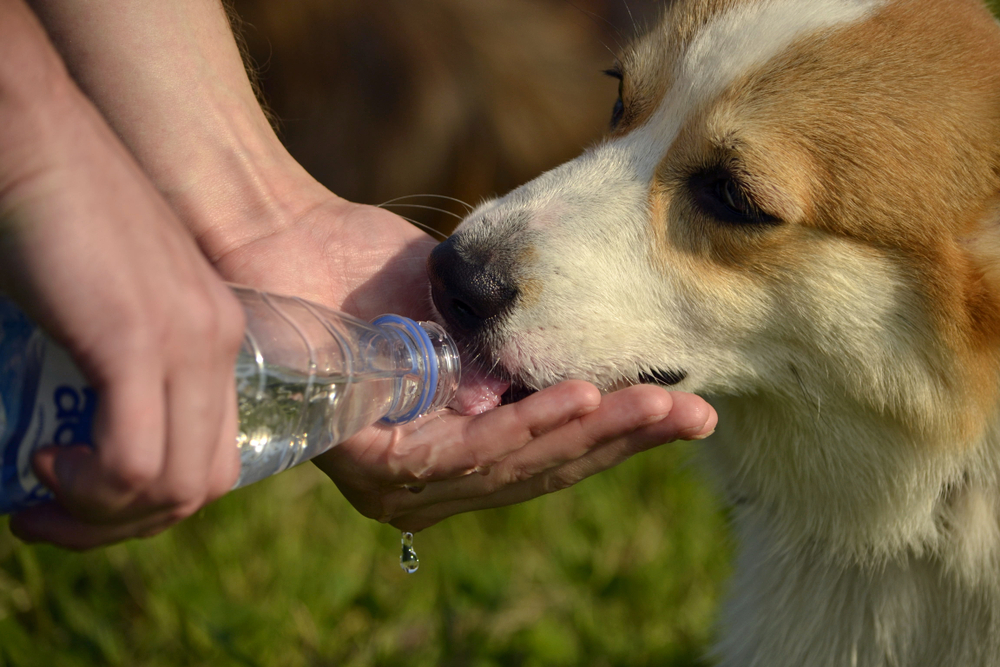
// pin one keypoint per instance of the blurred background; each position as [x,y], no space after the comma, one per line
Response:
[383,99]
[390,98]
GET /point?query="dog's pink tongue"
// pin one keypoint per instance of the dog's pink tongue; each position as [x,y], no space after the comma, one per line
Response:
[478,392]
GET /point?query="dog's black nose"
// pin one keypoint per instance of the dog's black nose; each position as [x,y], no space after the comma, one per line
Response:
[468,289]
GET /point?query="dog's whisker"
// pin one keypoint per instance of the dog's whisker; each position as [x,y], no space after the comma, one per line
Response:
[424,206]
[628,9]
[464,203]
[425,227]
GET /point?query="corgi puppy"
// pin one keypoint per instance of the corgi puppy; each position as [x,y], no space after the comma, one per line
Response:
[797,215]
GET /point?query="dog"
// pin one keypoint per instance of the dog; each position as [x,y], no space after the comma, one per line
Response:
[796,214]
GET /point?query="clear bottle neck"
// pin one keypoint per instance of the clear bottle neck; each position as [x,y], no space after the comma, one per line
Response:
[435,370]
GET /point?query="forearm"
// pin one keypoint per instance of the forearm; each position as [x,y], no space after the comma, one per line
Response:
[36,100]
[169,78]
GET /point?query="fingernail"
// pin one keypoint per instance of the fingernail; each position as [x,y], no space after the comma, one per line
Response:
[653,419]
[584,410]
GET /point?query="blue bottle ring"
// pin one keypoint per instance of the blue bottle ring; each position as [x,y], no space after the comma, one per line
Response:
[424,350]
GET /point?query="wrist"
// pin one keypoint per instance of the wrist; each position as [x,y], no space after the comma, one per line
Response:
[230,180]
[40,107]
[169,78]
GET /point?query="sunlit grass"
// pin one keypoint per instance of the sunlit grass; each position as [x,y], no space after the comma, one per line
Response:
[624,569]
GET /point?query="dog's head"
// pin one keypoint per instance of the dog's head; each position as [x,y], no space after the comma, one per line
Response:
[795,198]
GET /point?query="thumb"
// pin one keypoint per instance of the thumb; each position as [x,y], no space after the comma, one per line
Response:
[58,467]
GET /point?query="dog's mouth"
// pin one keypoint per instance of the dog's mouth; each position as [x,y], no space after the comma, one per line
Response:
[482,390]
[515,393]
[479,390]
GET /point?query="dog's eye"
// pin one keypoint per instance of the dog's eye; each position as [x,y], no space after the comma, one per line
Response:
[617,112]
[732,196]
[722,196]
[619,109]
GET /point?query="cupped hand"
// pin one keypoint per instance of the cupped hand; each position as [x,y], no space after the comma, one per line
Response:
[416,475]
[367,261]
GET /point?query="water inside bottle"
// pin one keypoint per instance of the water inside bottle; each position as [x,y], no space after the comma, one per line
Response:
[291,417]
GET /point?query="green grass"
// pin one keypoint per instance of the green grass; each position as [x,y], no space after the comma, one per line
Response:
[624,569]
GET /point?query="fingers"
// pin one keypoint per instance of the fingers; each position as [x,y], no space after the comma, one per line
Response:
[445,445]
[100,483]
[418,475]
[164,440]
[486,439]
[619,413]
[52,523]
[379,461]
[517,481]
[201,418]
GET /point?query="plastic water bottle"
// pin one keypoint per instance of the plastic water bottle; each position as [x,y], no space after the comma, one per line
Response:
[307,378]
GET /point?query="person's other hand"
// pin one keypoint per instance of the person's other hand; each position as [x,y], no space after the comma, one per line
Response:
[418,474]
[91,250]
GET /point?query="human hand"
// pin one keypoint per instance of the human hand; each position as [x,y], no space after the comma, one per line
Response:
[93,253]
[416,475]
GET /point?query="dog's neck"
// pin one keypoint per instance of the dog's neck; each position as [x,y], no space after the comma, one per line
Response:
[845,515]
[868,486]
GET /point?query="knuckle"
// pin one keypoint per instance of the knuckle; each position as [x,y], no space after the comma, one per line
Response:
[228,321]
[137,336]
[202,319]
[655,402]
[550,483]
[518,474]
[180,499]
[131,474]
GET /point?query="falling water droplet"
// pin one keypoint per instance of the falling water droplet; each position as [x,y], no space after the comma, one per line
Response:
[408,558]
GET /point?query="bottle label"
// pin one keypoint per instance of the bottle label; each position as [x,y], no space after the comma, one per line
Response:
[44,400]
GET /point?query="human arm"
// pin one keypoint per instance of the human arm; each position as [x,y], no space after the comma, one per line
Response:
[265,222]
[90,249]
